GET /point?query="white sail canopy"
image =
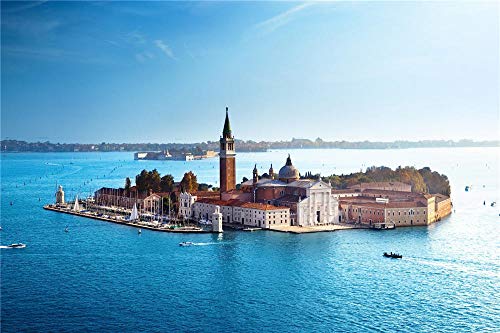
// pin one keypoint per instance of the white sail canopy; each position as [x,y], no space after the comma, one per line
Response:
[135,215]
[76,206]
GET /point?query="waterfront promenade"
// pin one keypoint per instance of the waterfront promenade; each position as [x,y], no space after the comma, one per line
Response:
[140,225]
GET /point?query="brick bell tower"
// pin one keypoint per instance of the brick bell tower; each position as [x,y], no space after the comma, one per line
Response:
[227,158]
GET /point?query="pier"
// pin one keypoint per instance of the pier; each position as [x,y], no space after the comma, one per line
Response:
[135,224]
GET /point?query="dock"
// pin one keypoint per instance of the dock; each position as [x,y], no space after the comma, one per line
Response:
[192,230]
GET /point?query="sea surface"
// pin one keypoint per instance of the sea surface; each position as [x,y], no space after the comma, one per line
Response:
[103,277]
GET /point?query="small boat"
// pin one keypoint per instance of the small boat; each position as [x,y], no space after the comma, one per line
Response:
[139,231]
[186,243]
[251,229]
[66,229]
[393,255]
[17,246]
[493,204]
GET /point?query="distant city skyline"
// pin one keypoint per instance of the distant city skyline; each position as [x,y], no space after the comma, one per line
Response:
[165,71]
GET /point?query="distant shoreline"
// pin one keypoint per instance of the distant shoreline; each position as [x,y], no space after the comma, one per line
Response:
[16,146]
[246,151]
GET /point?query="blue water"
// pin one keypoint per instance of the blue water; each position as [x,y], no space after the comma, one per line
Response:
[103,277]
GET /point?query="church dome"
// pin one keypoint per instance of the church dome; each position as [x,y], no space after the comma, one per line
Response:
[288,172]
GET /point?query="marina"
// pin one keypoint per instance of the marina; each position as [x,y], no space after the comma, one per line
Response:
[120,219]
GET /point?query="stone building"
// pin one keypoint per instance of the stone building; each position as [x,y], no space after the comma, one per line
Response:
[398,208]
[310,201]
[386,186]
[235,212]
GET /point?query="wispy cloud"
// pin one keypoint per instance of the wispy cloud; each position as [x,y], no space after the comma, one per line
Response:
[41,53]
[280,20]
[144,56]
[164,48]
[49,54]
[31,27]
[135,37]
[24,6]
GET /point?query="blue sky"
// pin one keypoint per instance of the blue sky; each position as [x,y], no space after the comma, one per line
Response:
[164,71]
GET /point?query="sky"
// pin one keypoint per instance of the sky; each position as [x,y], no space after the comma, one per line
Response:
[163,72]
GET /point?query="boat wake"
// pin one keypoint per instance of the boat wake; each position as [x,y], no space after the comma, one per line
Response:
[469,268]
[199,244]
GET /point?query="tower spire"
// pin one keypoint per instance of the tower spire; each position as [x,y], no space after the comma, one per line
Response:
[226,132]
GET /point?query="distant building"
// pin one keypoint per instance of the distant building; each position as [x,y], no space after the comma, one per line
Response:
[398,208]
[386,186]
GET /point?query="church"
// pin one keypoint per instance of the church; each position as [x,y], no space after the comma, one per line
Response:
[282,199]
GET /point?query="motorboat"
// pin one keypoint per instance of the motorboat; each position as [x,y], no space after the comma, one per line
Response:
[186,244]
[383,226]
[393,255]
[17,246]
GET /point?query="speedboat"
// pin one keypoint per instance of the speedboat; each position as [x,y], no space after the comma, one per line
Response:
[186,243]
[393,255]
[17,246]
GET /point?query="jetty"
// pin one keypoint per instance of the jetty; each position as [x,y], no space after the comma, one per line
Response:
[121,220]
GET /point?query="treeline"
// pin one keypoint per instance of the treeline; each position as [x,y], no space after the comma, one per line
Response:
[421,180]
[242,146]
[152,181]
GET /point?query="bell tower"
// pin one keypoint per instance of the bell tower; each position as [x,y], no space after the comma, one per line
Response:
[227,158]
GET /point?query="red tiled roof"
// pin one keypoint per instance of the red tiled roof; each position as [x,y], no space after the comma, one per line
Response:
[440,197]
[346,191]
[402,193]
[260,206]
[207,194]
[366,202]
[238,203]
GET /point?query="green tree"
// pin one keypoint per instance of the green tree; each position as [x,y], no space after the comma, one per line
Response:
[127,185]
[189,182]
[167,183]
[141,181]
[154,181]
